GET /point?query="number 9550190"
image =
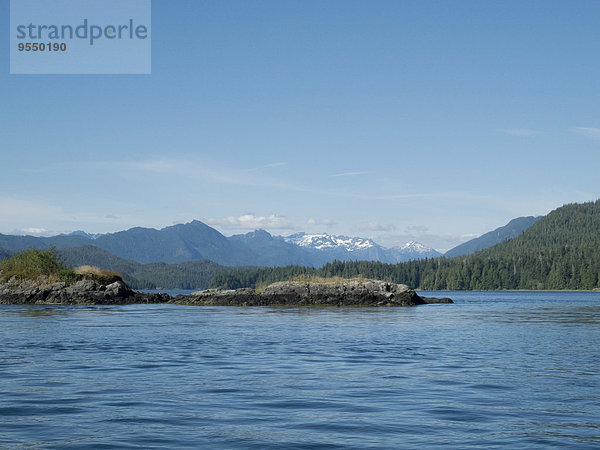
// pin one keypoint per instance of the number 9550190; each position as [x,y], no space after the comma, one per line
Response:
[42,47]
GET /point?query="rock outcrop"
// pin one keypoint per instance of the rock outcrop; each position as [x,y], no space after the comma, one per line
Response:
[351,293]
[294,293]
[83,292]
[219,297]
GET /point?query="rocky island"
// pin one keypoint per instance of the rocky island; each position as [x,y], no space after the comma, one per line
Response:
[361,292]
[292,293]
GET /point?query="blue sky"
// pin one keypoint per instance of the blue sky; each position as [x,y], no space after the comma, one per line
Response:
[395,120]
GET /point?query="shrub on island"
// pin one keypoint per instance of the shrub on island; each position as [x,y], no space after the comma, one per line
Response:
[34,264]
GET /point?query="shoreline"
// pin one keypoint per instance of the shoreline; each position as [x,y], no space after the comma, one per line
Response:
[508,290]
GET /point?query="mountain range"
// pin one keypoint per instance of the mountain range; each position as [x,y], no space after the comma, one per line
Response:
[197,241]
[559,251]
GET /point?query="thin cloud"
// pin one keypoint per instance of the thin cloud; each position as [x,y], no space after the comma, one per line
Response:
[349,174]
[593,133]
[194,168]
[197,169]
[33,232]
[522,132]
[267,166]
[460,196]
[375,226]
[417,229]
[251,221]
[324,222]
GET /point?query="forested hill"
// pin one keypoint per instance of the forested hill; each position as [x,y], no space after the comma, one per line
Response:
[509,231]
[574,225]
[5,253]
[186,275]
[560,251]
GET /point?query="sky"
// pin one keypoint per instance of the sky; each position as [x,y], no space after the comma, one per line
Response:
[433,121]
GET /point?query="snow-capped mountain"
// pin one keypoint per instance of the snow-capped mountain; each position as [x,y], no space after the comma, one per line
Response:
[413,250]
[414,246]
[327,241]
[83,233]
[356,248]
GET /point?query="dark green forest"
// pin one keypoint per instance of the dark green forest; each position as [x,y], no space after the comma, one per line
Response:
[560,251]
[186,275]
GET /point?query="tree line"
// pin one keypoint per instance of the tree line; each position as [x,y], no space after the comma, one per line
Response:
[561,251]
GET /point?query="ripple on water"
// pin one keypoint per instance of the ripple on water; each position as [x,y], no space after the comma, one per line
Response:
[514,370]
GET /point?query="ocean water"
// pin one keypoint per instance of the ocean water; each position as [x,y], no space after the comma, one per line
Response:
[508,369]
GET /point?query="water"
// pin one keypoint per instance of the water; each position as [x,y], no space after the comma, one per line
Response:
[514,370]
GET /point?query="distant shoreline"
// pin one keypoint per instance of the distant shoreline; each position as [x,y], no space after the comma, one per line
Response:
[509,290]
